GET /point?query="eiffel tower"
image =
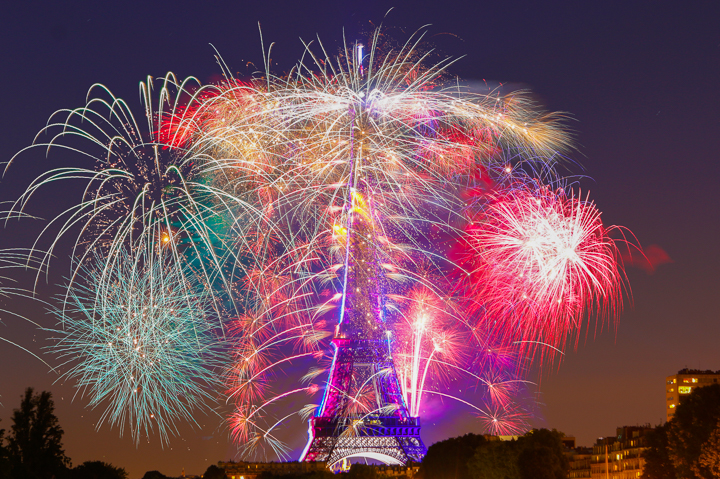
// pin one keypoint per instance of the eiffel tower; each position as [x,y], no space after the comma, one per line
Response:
[363,412]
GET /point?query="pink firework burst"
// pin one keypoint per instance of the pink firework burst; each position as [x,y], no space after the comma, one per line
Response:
[505,421]
[539,261]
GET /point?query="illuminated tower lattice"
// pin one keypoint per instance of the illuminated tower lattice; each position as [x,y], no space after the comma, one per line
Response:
[363,412]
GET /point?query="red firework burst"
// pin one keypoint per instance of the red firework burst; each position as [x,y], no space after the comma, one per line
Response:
[538,262]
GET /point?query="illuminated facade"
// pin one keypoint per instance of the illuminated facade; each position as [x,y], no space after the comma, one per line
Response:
[397,471]
[680,385]
[620,457]
[579,462]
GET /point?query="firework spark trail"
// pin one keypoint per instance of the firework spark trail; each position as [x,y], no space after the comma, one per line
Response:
[540,261]
[252,188]
[434,348]
[140,191]
[506,420]
[308,150]
[13,260]
[145,350]
[287,144]
[422,334]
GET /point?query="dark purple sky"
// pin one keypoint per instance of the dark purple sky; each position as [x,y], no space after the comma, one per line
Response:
[641,80]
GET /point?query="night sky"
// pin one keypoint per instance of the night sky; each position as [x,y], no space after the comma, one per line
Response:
[640,80]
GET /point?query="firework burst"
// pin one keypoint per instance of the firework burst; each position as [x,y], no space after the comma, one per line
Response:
[382,125]
[541,261]
[141,190]
[249,208]
[145,350]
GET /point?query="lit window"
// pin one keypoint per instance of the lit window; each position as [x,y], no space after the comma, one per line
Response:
[686,380]
[694,380]
[685,389]
[672,405]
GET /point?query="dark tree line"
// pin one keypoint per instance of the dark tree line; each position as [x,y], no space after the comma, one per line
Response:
[536,455]
[33,447]
[687,447]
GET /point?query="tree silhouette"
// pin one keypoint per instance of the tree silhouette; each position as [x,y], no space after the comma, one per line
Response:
[539,454]
[98,470]
[154,475]
[4,457]
[542,455]
[658,464]
[695,420]
[496,460]
[449,459]
[362,471]
[214,472]
[710,453]
[35,440]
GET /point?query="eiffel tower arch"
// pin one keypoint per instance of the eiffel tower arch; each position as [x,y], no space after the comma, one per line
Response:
[342,429]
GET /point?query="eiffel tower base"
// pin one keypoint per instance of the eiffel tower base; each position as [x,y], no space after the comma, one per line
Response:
[390,440]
